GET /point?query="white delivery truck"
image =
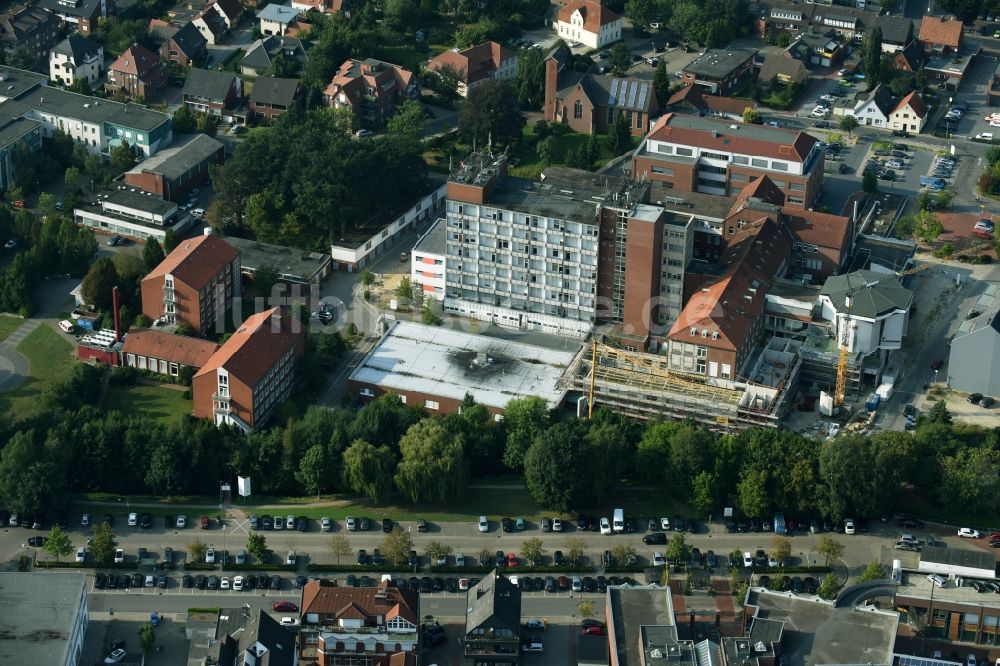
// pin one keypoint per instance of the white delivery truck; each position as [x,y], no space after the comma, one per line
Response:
[618,524]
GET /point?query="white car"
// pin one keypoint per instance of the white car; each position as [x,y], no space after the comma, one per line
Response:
[665,524]
[119,555]
[843,72]
[352,525]
[557,525]
[198,212]
[81,554]
[325,524]
[115,657]
[968,533]
[820,111]
[828,98]
[605,526]
[181,521]
[10,245]
[289,621]
[993,116]
[894,164]
[133,519]
[658,559]
[484,524]
[971,660]
[290,558]
[533,647]
[238,583]
[463,584]
[210,556]
[224,583]
[848,526]
[748,559]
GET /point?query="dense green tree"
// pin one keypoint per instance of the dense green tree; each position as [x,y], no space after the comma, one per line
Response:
[381,421]
[869,182]
[340,546]
[661,83]
[123,156]
[532,550]
[939,413]
[829,548]
[317,470]
[619,59]
[102,544]
[206,123]
[523,419]
[408,121]
[874,571]
[530,83]
[170,241]
[480,435]
[653,451]
[147,638]
[871,57]
[848,124]
[58,543]
[432,465]
[183,121]
[556,467]
[677,549]
[30,481]
[257,546]
[98,284]
[619,135]
[444,81]
[490,113]
[152,254]
[969,479]
[752,493]
[396,546]
[368,469]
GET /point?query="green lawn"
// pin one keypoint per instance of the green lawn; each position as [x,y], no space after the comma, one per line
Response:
[161,402]
[50,358]
[531,165]
[8,325]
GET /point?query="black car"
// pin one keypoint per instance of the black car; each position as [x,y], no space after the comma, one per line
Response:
[911,523]
[557,558]
[363,557]
[200,581]
[426,584]
[100,581]
[629,525]
[974,398]
[811,584]
[589,585]
[485,559]
[168,522]
[351,581]
[500,559]
[711,560]
[602,584]
[414,559]
[413,583]
[786,583]
[888,174]
[679,524]
[582,522]
[655,538]
[550,584]
[161,581]
[108,520]
[377,557]
[843,168]
[275,582]
[387,525]
[300,581]
[136,580]
[37,541]
[760,558]
[123,581]
[187,581]
[730,525]
[507,524]
[249,583]
[797,586]
[365,581]
[213,582]
[168,558]
[266,522]
[146,521]
[607,559]
[695,557]
[822,125]
[652,525]
[901,133]
[451,584]
[755,525]
[263,581]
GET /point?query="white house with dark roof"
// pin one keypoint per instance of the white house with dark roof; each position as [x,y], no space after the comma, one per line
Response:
[275,19]
[76,58]
[878,313]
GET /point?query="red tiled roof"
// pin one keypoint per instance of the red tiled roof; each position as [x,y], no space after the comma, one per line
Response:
[594,14]
[696,97]
[180,349]
[256,346]
[731,303]
[136,60]
[359,602]
[197,261]
[474,63]
[820,229]
[762,188]
[915,102]
[354,76]
[788,145]
[935,30]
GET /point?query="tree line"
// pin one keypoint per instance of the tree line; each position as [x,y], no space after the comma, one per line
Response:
[388,449]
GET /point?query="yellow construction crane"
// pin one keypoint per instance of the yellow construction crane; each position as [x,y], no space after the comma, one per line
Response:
[844,340]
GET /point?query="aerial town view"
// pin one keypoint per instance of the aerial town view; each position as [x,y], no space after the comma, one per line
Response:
[500,332]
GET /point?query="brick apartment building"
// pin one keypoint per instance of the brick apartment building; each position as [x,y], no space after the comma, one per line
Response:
[694,154]
[589,103]
[173,173]
[196,283]
[476,64]
[138,72]
[371,89]
[252,373]
[164,353]
[338,621]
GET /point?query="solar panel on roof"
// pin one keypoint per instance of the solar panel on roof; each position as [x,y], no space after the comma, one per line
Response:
[643,91]
[633,89]
[614,92]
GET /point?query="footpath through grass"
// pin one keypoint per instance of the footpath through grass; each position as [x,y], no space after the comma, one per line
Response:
[50,358]
[8,325]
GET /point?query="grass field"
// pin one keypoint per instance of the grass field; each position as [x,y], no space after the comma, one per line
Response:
[161,402]
[8,325]
[50,358]
[531,164]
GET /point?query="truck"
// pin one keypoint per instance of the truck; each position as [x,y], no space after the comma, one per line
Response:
[932,182]
[884,390]
[873,402]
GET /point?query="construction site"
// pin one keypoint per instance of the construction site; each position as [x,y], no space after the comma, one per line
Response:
[642,386]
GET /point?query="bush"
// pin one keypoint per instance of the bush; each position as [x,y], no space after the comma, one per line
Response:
[124,376]
[187,394]
[945,250]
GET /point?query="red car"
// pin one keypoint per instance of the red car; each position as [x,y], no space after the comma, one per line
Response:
[511,560]
[591,631]
[204,522]
[285,606]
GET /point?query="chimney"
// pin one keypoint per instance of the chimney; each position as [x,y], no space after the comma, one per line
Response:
[118,320]
[551,85]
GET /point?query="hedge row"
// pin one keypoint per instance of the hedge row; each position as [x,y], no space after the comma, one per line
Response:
[49,564]
[791,570]
[260,567]
[357,568]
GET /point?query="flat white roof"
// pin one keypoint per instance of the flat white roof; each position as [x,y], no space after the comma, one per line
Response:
[448,363]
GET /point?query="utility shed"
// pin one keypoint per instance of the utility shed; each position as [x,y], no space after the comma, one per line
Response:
[955,562]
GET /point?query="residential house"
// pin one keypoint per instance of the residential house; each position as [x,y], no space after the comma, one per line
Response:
[371,89]
[792,19]
[720,341]
[322,6]
[275,19]
[98,124]
[910,58]
[31,28]
[217,20]
[79,15]
[76,58]
[692,154]
[694,98]
[897,32]
[878,315]
[174,172]
[783,70]
[910,114]
[196,283]
[845,23]
[186,47]
[271,97]
[588,22]
[871,109]
[263,54]
[814,50]
[493,621]
[217,93]
[336,621]
[164,353]
[137,73]
[477,64]
[721,71]
[941,35]
[589,103]
[948,70]
[250,638]
[252,373]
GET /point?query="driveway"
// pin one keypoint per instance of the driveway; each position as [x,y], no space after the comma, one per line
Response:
[14,367]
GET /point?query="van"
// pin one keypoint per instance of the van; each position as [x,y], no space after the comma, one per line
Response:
[938,580]
[779,524]
[66,326]
[619,521]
